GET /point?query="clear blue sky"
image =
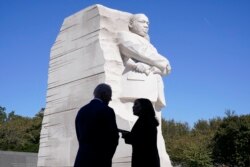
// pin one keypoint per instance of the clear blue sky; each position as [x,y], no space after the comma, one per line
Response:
[206,41]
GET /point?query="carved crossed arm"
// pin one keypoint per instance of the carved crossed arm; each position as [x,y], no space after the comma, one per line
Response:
[137,48]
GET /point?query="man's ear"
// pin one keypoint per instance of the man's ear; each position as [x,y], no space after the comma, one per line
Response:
[130,23]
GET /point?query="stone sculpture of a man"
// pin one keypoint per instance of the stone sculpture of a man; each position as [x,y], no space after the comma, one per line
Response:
[143,64]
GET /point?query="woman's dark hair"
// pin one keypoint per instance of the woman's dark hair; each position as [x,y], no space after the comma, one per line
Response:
[147,109]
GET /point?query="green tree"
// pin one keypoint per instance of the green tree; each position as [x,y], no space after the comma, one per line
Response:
[33,132]
[232,141]
[3,115]
[19,133]
[201,127]
[173,129]
[188,147]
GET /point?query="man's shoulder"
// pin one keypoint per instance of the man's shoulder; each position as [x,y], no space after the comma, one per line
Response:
[126,34]
[95,104]
[106,107]
[130,37]
[91,104]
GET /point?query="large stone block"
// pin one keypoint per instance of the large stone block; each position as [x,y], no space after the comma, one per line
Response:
[85,54]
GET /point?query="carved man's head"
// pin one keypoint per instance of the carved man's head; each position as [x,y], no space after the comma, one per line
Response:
[138,24]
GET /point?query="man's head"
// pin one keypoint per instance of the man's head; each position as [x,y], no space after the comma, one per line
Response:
[104,92]
[138,24]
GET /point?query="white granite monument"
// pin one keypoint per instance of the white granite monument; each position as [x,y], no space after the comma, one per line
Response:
[96,45]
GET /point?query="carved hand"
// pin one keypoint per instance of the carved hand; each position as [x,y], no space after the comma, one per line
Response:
[140,67]
[168,68]
[155,70]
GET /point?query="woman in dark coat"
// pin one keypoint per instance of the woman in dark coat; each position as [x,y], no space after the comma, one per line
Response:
[143,136]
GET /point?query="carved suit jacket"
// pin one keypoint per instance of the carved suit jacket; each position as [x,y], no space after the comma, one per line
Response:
[136,47]
[133,46]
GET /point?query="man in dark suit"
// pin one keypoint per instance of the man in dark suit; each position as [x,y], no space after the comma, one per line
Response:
[96,130]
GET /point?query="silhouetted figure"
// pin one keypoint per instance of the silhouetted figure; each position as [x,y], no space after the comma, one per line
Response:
[143,136]
[96,131]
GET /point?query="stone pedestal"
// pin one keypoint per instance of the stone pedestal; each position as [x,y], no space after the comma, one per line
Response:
[85,54]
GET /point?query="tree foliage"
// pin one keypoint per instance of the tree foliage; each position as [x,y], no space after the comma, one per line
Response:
[215,142]
[231,142]
[187,147]
[19,133]
[3,115]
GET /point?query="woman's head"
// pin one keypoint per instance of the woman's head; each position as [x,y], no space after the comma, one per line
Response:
[143,108]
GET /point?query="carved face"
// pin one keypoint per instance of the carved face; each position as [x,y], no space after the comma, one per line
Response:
[139,25]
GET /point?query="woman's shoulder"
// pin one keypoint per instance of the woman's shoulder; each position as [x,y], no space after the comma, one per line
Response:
[153,122]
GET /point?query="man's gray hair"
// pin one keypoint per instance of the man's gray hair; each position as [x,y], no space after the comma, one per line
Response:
[102,89]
